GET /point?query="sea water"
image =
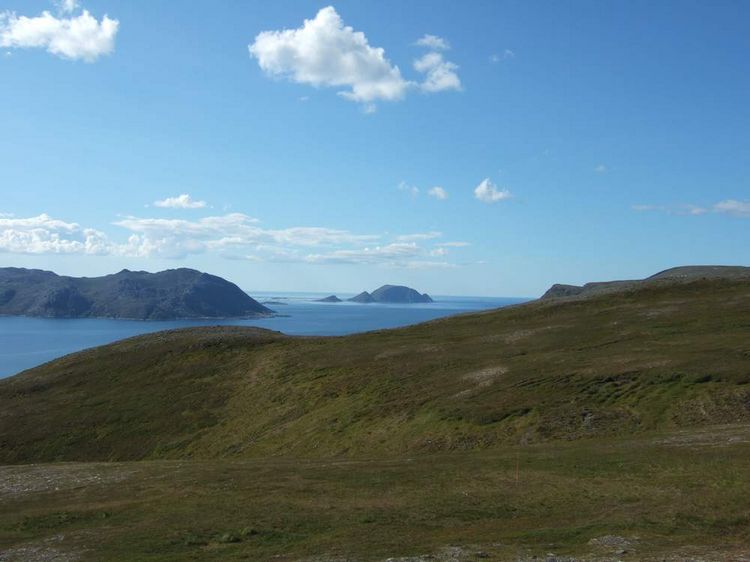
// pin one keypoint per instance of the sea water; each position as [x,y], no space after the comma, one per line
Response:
[28,342]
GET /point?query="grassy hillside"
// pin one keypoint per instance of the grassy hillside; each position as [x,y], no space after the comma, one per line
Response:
[614,427]
[650,358]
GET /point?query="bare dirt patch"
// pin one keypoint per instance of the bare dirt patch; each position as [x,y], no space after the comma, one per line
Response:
[26,479]
[48,550]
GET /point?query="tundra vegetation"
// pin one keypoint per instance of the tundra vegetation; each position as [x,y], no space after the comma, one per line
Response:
[601,427]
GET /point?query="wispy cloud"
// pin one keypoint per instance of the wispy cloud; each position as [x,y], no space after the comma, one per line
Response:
[601,169]
[183,201]
[438,193]
[488,192]
[454,244]
[731,207]
[433,42]
[67,6]
[412,190]
[80,37]
[396,252]
[507,54]
[231,236]
[440,74]
[419,236]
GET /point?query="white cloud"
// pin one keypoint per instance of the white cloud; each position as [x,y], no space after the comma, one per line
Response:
[325,52]
[433,42]
[80,37]
[177,237]
[231,236]
[733,207]
[183,201]
[488,192]
[437,192]
[440,73]
[601,169]
[45,235]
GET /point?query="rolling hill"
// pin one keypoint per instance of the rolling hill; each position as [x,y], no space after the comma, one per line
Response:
[656,356]
[613,426]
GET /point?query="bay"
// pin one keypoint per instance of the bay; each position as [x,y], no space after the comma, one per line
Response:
[27,342]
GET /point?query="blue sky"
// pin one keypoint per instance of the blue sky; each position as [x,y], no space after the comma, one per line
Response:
[572,141]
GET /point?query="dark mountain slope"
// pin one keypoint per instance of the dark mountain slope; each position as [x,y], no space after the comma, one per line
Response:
[660,356]
[174,293]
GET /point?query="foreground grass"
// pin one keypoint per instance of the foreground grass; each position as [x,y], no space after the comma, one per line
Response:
[682,493]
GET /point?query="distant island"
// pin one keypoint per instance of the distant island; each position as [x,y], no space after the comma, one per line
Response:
[397,294]
[138,295]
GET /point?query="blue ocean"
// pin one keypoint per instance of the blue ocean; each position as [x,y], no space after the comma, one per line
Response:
[28,342]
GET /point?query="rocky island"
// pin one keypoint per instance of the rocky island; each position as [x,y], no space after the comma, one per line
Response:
[138,295]
[394,294]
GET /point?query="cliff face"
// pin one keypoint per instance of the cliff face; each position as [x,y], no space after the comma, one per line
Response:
[170,294]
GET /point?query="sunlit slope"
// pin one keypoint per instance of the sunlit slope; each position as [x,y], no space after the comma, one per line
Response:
[653,357]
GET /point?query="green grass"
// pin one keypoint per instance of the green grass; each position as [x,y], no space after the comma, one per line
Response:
[658,358]
[690,492]
[625,415]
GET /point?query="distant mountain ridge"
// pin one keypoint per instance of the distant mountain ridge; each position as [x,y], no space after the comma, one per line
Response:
[676,274]
[138,295]
[393,294]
